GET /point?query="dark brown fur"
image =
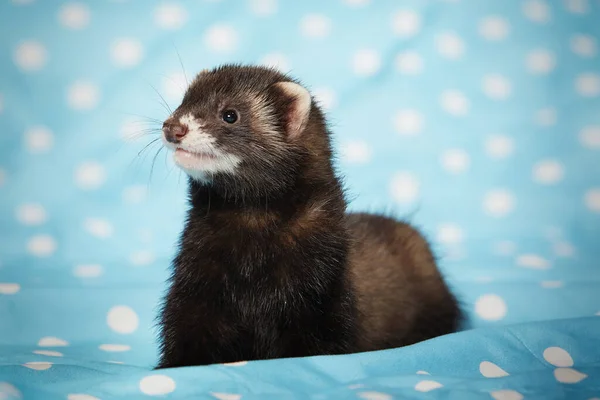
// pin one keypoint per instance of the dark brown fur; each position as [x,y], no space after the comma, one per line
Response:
[270,265]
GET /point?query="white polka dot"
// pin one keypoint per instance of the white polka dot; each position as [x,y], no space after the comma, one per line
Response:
[170,16]
[484,279]
[491,370]
[551,284]
[226,396]
[74,16]
[135,194]
[494,28]
[546,117]
[356,3]
[499,146]
[263,8]
[126,52]
[547,172]
[592,199]
[532,261]
[536,10]
[41,245]
[122,319]
[426,386]
[356,152]
[38,139]
[404,187]
[141,258]
[450,45]
[174,86]
[88,271]
[30,56]
[9,288]
[51,341]
[409,63]
[505,248]
[276,60]
[38,365]
[568,375]
[31,214]
[156,385]
[584,45]
[423,373]
[558,357]
[98,227]
[315,26]
[408,122]
[540,61]
[496,87]
[221,38]
[506,394]
[49,353]
[588,84]
[406,23]
[116,362]
[366,62]
[455,103]
[498,203]
[563,249]
[590,137]
[326,97]
[374,396]
[236,364]
[81,396]
[114,347]
[8,391]
[577,6]
[83,96]
[449,234]
[455,161]
[490,307]
[90,175]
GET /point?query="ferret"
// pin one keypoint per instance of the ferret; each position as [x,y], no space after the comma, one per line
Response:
[270,264]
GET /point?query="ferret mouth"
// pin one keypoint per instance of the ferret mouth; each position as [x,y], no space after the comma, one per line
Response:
[194,155]
[200,164]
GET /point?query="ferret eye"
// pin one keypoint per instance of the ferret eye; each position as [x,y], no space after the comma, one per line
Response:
[230,116]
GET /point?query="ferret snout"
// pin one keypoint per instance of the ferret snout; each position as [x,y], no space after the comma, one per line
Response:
[174,131]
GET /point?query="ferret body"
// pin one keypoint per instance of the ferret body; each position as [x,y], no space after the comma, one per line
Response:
[270,265]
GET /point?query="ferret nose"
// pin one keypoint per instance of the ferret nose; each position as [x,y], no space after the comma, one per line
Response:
[174,131]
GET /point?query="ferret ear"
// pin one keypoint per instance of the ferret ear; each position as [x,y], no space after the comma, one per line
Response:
[299,109]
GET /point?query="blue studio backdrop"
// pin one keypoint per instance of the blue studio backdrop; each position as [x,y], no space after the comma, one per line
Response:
[479,121]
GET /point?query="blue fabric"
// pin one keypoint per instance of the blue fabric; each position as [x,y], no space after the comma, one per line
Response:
[479,121]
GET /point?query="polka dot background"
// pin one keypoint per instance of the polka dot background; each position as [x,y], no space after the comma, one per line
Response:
[477,121]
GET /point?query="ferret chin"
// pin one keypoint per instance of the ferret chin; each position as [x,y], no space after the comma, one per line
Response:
[270,265]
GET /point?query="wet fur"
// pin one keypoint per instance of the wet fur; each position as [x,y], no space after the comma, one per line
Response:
[270,264]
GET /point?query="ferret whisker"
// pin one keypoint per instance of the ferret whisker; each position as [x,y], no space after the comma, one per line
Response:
[164,102]
[144,118]
[181,63]
[154,161]
[148,145]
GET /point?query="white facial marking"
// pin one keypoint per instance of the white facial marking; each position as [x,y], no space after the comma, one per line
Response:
[197,154]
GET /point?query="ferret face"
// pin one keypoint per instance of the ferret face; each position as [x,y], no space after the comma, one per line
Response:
[238,122]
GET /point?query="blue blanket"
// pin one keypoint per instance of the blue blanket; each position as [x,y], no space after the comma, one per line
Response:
[477,121]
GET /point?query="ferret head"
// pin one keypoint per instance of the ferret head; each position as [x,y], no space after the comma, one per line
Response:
[239,125]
